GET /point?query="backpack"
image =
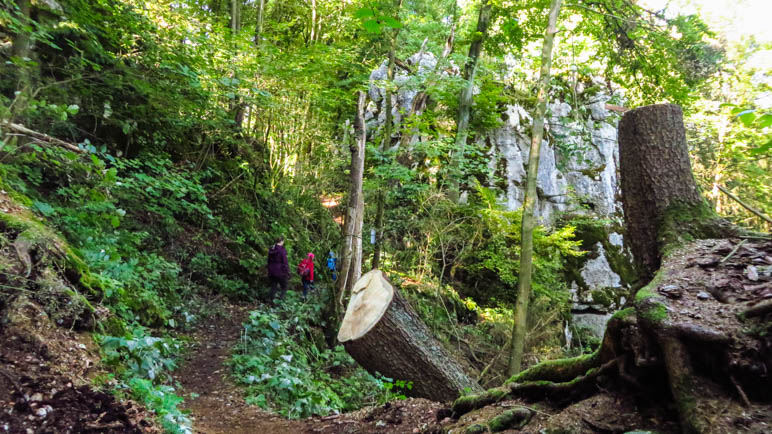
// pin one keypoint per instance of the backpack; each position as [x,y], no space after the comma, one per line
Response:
[303,269]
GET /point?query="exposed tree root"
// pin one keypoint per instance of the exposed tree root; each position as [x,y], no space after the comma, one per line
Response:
[581,385]
[759,309]
[710,352]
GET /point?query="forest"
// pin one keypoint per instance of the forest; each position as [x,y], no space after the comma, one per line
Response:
[386,216]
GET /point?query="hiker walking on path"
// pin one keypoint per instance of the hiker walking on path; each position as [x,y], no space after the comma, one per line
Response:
[332,265]
[306,271]
[278,269]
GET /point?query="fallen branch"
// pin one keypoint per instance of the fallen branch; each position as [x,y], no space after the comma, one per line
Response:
[740,390]
[736,248]
[40,137]
[758,213]
[403,65]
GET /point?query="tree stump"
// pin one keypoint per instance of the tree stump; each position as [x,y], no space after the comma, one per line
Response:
[657,174]
[384,334]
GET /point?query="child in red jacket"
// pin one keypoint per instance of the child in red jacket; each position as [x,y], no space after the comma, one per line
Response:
[306,271]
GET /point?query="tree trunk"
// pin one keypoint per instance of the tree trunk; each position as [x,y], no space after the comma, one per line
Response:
[659,194]
[235,18]
[383,333]
[259,22]
[465,100]
[312,37]
[21,47]
[351,267]
[385,142]
[529,204]
[421,99]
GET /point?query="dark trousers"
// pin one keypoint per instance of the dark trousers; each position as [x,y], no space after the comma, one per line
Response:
[307,284]
[277,284]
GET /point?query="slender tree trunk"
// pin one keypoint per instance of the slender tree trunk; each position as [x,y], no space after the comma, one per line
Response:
[21,47]
[259,22]
[420,101]
[465,100]
[351,267]
[236,107]
[529,205]
[313,22]
[385,144]
[235,23]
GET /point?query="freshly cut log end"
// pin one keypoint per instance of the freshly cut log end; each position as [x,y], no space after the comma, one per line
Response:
[385,335]
[370,297]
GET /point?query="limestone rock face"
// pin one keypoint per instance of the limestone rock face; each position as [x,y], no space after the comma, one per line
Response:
[407,88]
[580,173]
[597,273]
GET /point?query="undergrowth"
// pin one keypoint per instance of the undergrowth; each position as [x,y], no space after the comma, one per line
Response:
[286,366]
[142,364]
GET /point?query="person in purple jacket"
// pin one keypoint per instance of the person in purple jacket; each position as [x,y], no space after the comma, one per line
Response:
[278,269]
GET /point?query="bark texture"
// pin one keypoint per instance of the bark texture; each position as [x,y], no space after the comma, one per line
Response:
[400,346]
[351,264]
[655,175]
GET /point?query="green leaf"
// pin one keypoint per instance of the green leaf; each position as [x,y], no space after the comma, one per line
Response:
[747,118]
[391,22]
[763,149]
[364,13]
[765,120]
[44,208]
[372,26]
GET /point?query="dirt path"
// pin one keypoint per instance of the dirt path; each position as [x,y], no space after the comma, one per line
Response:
[219,406]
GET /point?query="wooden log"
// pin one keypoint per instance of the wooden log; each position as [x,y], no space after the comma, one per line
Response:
[40,137]
[384,334]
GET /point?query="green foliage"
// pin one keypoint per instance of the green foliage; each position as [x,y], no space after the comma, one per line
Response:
[497,250]
[286,367]
[142,363]
[142,355]
[164,402]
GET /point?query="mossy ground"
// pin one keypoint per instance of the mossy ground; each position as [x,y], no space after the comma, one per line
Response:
[42,264]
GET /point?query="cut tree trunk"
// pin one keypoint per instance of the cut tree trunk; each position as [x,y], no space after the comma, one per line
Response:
[385,335]
[659,194]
